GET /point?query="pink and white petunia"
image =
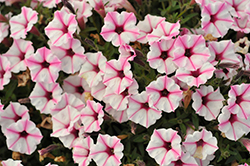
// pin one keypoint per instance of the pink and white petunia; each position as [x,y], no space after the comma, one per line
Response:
[45,96]
[18,52]
[98,6]
[126,51]
[120,28]
[44,66]
[164,94]
[23,136]
[22,23]
[81,151]
[197,77]
[50,3]
[207,102]
[4,30]
[61,28]
[118,75]
[98,91]
[11,162]
[120,116]
[92,116]
[190,52]
[71,54]
[184,160]
[160,56]
[164,30]
[242,24]
[246,143]
[200,144]
[239,100]
[242,45]
[164,146]
[93,68]
[146,26]
[216,19]
[226,73]
[236,7]
[12,114]
[5,73]
[231,125]
[139,111]
[107,151]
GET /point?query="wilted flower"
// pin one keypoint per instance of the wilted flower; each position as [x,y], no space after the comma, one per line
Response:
[242,45]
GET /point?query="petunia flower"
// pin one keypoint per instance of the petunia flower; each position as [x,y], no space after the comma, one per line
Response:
[216,19]
[22,23]
[184,160]
[246,143]
[242,24]
[98,6]
[98,91]
[50,3]
[81,151]
[44,66]
[231,125]
[160,56]
[107,151]
[120,28]
[23,136]
[92,116]
[207,102]
[71,54]
[164,146]
[126,51]
[18,52]
[5,73]
[164,94]
[146,26]
[164,30]
[236,7]
[226,73]
[139,111]
[200,144]
[120,116]
[61,28]
[242,45]
[197,77]
[45,96]
[4,30]
[11,162]
[190,52]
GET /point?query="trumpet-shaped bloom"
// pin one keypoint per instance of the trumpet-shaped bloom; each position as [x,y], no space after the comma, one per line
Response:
[200,144]
[239,101]
[92,116]
[120,116]
[160,56]
[190,52]
[246,143]
[71,54]
[146,26]
[107,151]
[207,102]
[120,28]
[18,52]
[23,136]
[22,23]
[242,24]
[164,146]
[139,111]
[164,94]
[5,73]
[164,30]
[4,30]
[126,51]
[11,162]
[93,68]
[61,28]
[231,125]
[45,96]
[44,66]
[216,19]
[236,7]
[49,3]
[98,91]
[197,77]
[242,45]
[118,75]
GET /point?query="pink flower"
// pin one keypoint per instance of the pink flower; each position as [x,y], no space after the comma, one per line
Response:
[120,28]
[18,52]
[71,54]
[118,75]
[226,73]
[126,51]
[49,3]
[164,30]
[216,19]
[44,66]
[11,162]
[61,28]
[246,143]
[45,96]
[5,73]
[120,116]
[139,111]
[164,146]
[200,144]
[242,24]
[22,23]
[238,102]
[98,91]
[235,7]
[207,102]
[164,94]
[184,160]
[23,136]
[98,6]
[81,151]
[197,77]
[107,151]
[231,125]
[4,30]
[160,56]
[190,52]
[92,116]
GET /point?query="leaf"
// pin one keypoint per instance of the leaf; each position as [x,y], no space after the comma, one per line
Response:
[141,149]
[195,120]
[188,17]
[138,138]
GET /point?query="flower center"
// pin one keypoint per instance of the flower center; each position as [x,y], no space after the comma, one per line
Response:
[179,163]
[218,57]
[233,118]
[1,73]
[213,18]
[195,73]
[119,29]
[188,53]
[65,29]
[45,64]
[238,99]
[165,93]
[110,151]
[16,118]
[167,145]
[125,92]
[22,56]
[24,134]
[48,95]
[145,106]
[79,89]
[200,143]
[225,71]
[205,100]
[164,55]
[120,74]
[242,45]
[75,132]
[70,52]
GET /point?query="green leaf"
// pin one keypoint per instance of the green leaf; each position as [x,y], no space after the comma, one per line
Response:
[195,120]
[188,17]
[141,149]
[138,138]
